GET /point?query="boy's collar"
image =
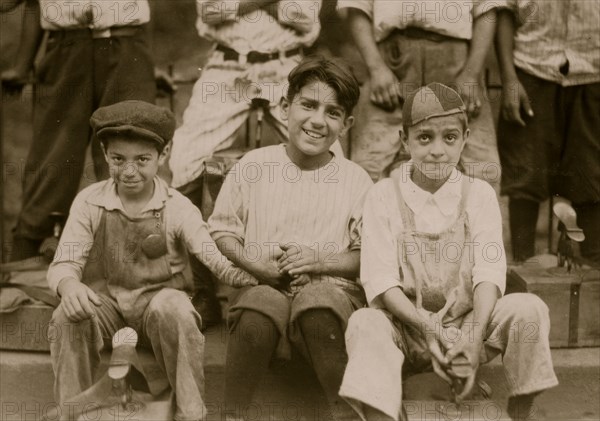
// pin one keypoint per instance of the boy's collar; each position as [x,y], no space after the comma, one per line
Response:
[446,198]
[108,198]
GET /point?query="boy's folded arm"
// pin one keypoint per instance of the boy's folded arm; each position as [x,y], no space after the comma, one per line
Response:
[213,12]
[264,270]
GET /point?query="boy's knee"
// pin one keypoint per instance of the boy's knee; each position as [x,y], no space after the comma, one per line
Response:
[172,305]
[255,328]
[366,323]
[320,324]
[528,307]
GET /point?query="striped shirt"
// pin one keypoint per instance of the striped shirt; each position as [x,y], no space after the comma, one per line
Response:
[67,14]
[557,34]
[446,17]
[297,25]
[266,200]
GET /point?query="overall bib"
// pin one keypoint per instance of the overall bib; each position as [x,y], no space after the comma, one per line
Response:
[436,270]
[128,268]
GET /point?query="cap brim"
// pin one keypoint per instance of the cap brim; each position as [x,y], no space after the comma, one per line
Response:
[130,131]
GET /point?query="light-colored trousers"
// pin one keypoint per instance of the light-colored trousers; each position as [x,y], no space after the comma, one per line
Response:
[170,326]
[518,330]
[416,62]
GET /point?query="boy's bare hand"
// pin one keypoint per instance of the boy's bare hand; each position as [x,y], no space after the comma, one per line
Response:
[515,100]
[298,259]
[469,348]
[438,360]
[385,88]
[76,299]
[468,88]
[13,81]
[266,272]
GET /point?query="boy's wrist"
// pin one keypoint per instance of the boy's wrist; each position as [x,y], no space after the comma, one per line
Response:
[63,285]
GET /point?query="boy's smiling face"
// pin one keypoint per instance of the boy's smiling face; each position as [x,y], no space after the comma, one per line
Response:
[435,145]
[315,121]
[133,164]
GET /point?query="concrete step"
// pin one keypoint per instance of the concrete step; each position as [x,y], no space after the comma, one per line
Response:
[292,392]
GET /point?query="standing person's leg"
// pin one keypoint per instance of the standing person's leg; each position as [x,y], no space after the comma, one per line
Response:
[444,60]
[372,382]
[123,70]
[62,105]
[75,347]
[519,329]
[579,170]
[257,319]
[172,327]
[525,154]
[375,136]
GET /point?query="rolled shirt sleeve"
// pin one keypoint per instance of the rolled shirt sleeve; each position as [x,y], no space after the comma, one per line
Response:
[75,243]
[197,239]
[379,265]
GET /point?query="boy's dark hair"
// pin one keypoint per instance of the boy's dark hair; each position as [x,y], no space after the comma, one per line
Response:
[332,71]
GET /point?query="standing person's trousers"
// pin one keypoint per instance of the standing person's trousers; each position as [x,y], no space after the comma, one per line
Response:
[77,74]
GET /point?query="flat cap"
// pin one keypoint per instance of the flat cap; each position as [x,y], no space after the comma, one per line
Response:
[433,100]
[137,118]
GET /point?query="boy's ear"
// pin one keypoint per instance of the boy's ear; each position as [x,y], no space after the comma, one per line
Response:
[284,107]
[348,123]
[103,150]
[465,139]
[162,157]
[403,136]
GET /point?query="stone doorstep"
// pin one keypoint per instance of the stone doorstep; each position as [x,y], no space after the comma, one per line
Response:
[26,386]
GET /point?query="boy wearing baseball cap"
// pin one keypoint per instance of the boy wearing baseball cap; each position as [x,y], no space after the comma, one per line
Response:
[121,259]
[433,269]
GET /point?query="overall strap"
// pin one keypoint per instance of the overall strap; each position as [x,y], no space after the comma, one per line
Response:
[408,225]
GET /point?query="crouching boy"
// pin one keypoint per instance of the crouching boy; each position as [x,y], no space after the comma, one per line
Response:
[121,259]
[433,269]
[291,216]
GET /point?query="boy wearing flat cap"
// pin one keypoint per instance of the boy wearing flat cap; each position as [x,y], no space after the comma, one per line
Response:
[121,258]
[433,269]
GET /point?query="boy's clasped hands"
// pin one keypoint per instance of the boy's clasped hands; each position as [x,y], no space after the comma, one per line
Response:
[455,357]
[290,265]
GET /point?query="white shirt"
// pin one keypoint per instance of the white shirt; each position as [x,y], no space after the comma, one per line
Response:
[433,213]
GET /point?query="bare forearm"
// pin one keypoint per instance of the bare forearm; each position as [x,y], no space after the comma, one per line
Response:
[397,303]
[345,265]
[361,29]
[232,248]
[483,34]
[505,45]
[485,297]
[216,12]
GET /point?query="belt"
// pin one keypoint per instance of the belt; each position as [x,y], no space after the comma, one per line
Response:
[230,54]
[413,32]
[113,32]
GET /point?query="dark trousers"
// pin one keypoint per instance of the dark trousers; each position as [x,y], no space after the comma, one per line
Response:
[77,75]
[556,153]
